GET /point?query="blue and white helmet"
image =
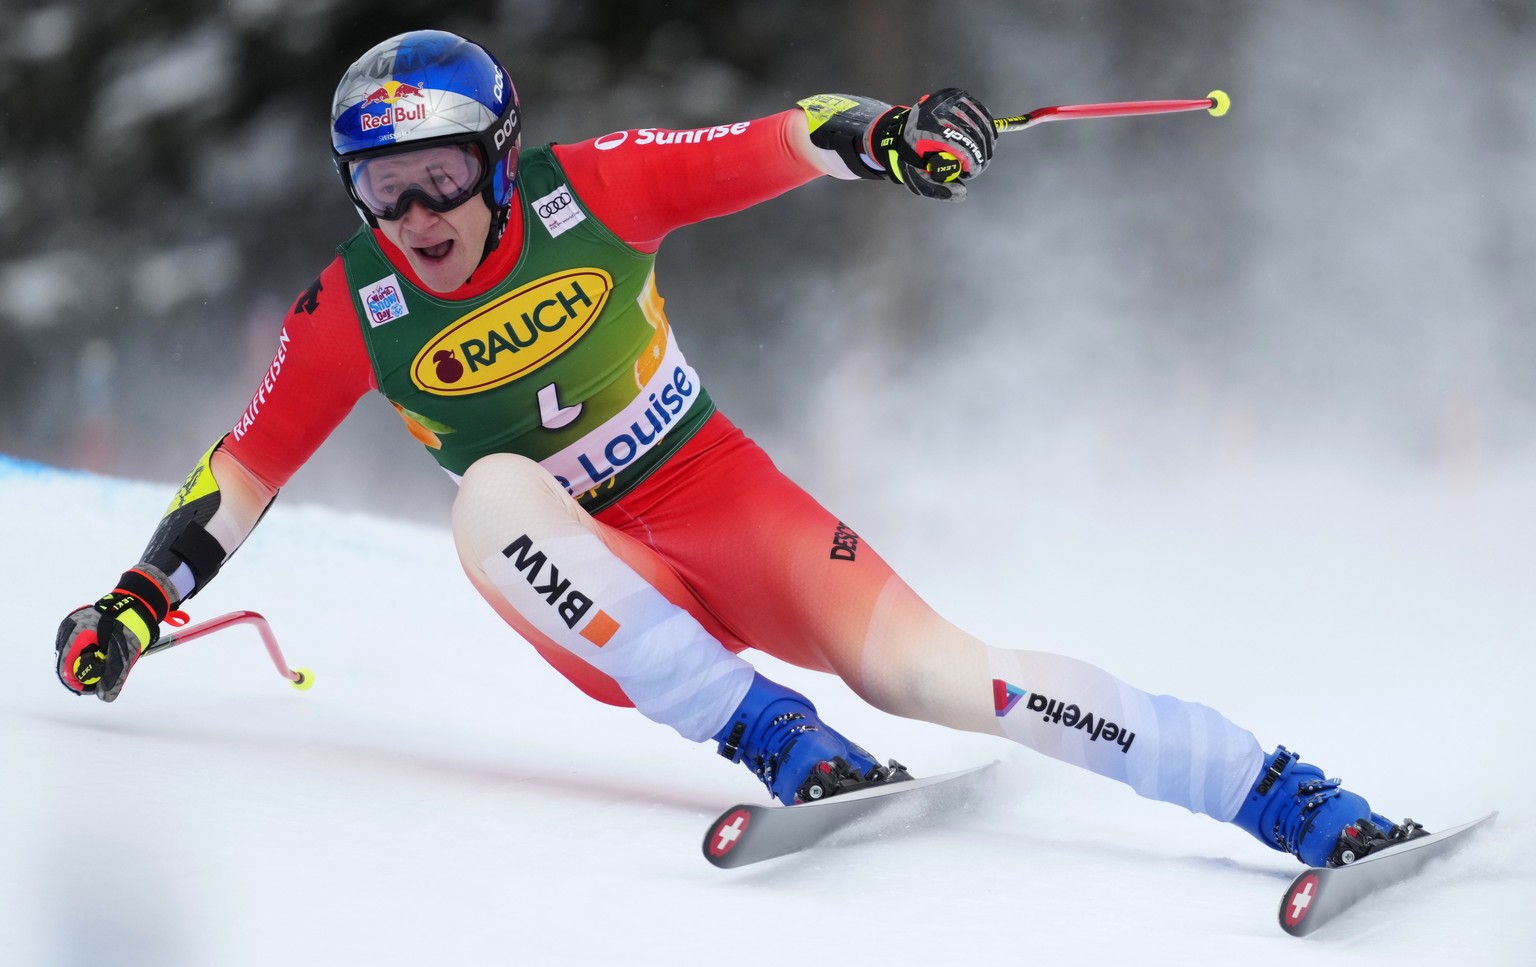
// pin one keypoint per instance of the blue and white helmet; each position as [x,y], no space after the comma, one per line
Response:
[428,89]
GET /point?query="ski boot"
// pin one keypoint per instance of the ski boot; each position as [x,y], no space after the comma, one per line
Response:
[1292,808]
[776,733]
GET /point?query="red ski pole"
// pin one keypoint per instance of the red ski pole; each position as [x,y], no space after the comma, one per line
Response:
[301,678]
[1216,103]
[945,167]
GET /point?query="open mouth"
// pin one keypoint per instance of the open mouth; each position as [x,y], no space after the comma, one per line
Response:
[435,253]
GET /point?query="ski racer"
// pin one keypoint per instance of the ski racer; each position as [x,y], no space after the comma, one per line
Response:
[504,303]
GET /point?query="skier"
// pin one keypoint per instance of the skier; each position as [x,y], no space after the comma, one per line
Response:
[504,302]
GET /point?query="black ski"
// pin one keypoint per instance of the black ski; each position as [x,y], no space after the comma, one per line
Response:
[748,833]
[1318,896]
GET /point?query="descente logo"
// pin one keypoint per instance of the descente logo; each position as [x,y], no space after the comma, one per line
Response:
[845,543]
[513,335]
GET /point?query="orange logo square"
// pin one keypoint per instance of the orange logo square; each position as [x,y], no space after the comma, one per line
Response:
[601,629]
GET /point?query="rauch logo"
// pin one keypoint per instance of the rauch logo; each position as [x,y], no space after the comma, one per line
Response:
[512,336]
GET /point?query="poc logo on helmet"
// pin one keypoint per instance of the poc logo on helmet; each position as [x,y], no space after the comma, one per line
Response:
[507,130]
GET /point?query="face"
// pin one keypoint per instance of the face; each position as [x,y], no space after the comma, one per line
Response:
[443,247]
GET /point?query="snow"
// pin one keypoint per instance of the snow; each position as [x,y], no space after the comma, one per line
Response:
[442,796]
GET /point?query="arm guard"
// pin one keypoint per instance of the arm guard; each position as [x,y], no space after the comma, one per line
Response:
[182,538]
[182,547]
[842,123]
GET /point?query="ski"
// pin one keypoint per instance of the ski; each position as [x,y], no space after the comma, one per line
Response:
[748,833]
[1319,896]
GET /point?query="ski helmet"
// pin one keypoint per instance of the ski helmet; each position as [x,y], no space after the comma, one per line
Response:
[437,93]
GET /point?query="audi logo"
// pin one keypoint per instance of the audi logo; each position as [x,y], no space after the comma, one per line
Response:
[555,204]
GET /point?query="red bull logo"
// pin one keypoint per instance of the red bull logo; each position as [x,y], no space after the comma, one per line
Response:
[390,98]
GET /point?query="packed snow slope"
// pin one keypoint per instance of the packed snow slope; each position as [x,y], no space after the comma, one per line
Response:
[441,796]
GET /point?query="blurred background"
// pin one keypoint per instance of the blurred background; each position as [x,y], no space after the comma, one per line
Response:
[1341,265]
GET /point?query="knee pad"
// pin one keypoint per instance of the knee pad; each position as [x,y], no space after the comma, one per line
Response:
[502,491]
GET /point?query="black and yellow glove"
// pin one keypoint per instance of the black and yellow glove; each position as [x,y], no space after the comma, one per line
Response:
[944,139]
[98,644]
[932,147]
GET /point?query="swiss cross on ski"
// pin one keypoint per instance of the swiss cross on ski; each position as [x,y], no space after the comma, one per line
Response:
[1300,900]
[728,832]
[1321,895]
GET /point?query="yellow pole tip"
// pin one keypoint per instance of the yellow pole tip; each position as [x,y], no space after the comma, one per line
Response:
[305,681]
[1219,103]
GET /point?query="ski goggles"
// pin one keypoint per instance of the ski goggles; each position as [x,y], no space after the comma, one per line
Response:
[441,177]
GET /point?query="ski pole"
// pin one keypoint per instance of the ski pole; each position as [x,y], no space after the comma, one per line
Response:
[301,678]
[1216,103]
[946,167]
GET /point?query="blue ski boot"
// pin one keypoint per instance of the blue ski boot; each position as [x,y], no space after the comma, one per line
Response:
[775,731]
[1292,808]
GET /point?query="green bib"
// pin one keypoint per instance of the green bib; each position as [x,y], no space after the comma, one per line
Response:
[568,361]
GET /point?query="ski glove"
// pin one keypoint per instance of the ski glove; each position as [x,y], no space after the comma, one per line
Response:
[946,138]
[98,644]
[931,147]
